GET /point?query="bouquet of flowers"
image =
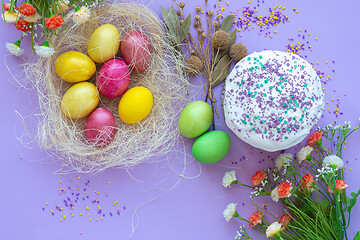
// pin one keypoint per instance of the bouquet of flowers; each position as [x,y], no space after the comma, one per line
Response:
[46,16]
[316,203]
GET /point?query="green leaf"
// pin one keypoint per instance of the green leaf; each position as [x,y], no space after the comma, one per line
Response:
[227,23]
[172,22]
[184,28]
[226,50]
[352,201]
[221,70]
[357,236]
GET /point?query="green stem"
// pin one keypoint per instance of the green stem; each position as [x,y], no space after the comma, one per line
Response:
[241,184]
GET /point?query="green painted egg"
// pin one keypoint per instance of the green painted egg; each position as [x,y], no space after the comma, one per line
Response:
[195,119]
[211,147]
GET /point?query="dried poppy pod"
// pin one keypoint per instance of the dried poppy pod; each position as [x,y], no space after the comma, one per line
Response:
[238,51]
[220,40]
[194,65]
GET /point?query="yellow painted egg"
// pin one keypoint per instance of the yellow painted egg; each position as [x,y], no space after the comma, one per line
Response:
[80,100]
[74,67]
[104,43]
[135,105]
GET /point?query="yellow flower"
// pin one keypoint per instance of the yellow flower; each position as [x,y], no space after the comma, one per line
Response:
[274,229]
[34,18]
[10,16]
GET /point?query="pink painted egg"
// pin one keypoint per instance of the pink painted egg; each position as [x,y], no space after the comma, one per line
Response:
[113,78]
[100,127]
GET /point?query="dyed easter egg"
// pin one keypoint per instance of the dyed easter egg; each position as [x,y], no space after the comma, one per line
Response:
[104,43]
[113,78]
[195,119]
[74,67]
[100,127]
[135,105]
[135,49]
[211,147]
[80,100]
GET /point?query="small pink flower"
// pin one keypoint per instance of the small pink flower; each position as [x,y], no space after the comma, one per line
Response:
[255,218]
[258,177]
[285,220]
[307,181]
[284,189]
[339,186]
[314,138]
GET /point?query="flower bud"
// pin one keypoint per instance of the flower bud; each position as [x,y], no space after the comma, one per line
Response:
[198,9]
[197,17]
[182,4]
[216,23]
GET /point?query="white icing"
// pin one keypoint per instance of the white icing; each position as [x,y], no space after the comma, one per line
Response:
[254,117]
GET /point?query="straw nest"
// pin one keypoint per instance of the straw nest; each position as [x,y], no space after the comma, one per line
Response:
[153,137]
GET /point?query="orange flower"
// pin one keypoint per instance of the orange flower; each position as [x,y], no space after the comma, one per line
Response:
[284,189]
[27,9]
[315,138]
[54,22]
[339,186]
[255,218]
[258,177]
[285,220]
[22,25]
[6,6]
[307,181]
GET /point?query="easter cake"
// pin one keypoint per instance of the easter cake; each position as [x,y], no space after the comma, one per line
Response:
[272,99]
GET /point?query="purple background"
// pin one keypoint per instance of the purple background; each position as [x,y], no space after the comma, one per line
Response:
[168,206]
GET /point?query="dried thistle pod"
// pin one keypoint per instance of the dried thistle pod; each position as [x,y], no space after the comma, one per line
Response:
[210,13]
[182,5]
[238,51]
[178,12]
[220,40]
[193,65]
[197,17]
[198,9]
[199,31]
[204,35]
[216,24]
[181,22]
[196,24]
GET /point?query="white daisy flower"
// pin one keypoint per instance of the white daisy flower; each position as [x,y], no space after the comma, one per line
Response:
[44,51]
[283,160]
[303,153]
[82,15]
[10,17]
[229,211]
[34,18]
[275,195]
[273,229]
[14,48]
[333,161]
[228,178]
